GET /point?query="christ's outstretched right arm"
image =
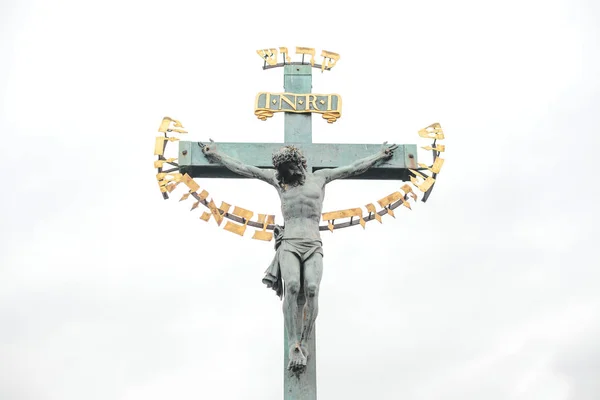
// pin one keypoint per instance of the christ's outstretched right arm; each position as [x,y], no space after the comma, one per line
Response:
[249,171]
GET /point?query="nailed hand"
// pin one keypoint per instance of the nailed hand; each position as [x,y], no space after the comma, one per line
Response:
[388,150]
[209,149]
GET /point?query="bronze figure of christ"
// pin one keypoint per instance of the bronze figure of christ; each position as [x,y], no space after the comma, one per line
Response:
[298,244]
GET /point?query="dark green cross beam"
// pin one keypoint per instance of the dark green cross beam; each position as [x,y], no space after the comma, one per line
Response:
[298,131]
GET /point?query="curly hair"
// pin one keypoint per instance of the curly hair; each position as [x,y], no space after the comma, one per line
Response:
[288,154]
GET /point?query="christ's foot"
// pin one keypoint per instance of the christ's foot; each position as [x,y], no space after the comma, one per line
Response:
[297,359]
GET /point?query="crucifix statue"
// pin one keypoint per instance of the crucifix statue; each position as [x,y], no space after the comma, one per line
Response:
[299,255]
[299,170]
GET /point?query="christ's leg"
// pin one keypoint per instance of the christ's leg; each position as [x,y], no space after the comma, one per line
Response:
[290,272]
[313,270]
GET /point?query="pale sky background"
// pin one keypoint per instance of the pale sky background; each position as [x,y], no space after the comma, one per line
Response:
[490,290]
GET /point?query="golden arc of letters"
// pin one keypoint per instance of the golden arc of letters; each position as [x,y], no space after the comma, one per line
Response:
[240,218]
[270,57]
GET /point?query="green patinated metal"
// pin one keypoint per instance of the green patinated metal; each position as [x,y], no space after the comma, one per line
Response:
[297,127]
[318,155]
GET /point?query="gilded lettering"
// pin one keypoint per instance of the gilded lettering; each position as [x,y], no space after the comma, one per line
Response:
[286,54]
[284,98]
[433,131]
[312,100]
[165,126]
[329,105]
[268,55]
[329,59]
[307,50]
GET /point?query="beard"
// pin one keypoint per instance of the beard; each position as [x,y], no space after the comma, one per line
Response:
[285,178]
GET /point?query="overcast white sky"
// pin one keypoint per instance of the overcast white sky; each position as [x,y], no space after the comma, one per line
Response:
[487,291]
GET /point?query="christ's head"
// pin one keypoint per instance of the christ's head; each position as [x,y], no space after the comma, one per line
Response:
[290,165]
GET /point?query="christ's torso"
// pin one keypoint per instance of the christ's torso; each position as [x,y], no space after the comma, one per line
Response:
[302,206]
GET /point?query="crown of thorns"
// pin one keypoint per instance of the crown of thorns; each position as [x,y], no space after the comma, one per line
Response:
[289,154]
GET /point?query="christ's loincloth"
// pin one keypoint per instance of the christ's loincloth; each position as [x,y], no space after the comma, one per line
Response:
[301,248]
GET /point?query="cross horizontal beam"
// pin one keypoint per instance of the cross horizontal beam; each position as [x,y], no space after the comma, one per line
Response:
[192,161]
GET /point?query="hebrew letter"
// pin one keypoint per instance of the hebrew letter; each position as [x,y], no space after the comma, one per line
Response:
[433,131]
[264,235]
[386,201]
[329,56]
[307,50]
[235,228]
[371,208]
[268,55]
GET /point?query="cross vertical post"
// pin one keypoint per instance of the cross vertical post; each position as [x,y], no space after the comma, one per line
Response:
[298,127]
[298,130]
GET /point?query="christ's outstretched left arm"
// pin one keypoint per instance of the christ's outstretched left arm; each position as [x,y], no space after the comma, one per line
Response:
[357,167]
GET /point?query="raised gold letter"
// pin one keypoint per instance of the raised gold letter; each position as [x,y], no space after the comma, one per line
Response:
[433,131]
[264,235]
[312,99]
[283,98]
[331,56]
[307,50]
[235,228]
[388,200]
[286,55]
[436,167]
[166,122]
[268,55]
[371,209]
